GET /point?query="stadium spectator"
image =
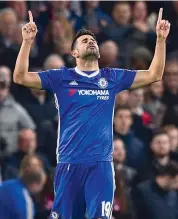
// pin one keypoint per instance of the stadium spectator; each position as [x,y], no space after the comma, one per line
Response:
[154,104]
[119,156]
[122,98]
[9,55]
[141,20]
[27,145]
[124,175]
[40,108]
[120,27]
[8,22]
[122,129]
[172,132]
[58,38]
[42,200]
[94,18]
[21,9]
[171,12]
[6,72]
[125,34]
[63,9]
[109,53]
[13,117]
[21,205]
[136,104]
[143,24]
[49,138]
[141,58]
[53,61]
[159,156]
[155,198]
[170,97]
[142,118]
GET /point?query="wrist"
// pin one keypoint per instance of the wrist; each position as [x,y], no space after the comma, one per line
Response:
[27,42]
[160,39]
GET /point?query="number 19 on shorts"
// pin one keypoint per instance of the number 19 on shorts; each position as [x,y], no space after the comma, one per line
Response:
[106,209]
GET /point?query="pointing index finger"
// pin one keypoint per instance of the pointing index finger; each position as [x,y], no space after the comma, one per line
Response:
[30,16]
[160,14]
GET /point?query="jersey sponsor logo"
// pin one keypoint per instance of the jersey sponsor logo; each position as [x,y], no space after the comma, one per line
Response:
[54,215]
[100,94]
[93,92]
[73,83]
[72,92]
[102,83]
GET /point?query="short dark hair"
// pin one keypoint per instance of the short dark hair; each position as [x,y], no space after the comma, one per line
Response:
[80,33]
[171,169]
[120,108]
[159,132]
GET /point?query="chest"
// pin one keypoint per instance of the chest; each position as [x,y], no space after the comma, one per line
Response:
[86,90]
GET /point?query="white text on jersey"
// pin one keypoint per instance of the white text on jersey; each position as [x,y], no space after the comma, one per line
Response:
[93,92]
[101,94]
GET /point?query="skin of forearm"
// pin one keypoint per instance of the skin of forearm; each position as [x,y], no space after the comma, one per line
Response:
[22,63]
[158,63]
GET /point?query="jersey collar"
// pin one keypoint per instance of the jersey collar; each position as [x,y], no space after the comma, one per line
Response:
[86,75]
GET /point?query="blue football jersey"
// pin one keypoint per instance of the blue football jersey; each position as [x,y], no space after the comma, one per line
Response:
[86,107]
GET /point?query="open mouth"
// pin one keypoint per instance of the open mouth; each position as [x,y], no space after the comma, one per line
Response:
[91,47]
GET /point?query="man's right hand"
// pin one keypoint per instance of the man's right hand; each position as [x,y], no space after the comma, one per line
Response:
[29,30]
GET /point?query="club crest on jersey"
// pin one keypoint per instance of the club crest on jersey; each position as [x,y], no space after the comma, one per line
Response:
[102,83]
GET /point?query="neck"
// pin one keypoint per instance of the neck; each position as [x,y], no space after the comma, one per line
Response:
[121,131]
[120,166]
[87,65]
[164,160]
[161,181]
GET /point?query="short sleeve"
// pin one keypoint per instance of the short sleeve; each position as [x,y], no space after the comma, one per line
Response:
[50,79]
[124,78]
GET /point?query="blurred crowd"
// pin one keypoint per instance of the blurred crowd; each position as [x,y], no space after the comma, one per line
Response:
[145,120]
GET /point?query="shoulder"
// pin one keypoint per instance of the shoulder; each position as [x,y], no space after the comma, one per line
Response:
[19,109]
[54,72]
[111,73]
[9,184]
[64,72]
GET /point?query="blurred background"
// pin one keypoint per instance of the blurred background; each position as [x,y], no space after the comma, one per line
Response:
[145,121]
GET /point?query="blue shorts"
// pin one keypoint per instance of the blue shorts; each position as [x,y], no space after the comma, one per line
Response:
[83,189]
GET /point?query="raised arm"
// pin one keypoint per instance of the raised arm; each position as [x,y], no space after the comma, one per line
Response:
[21,75]
[156,69]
